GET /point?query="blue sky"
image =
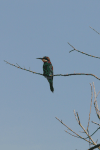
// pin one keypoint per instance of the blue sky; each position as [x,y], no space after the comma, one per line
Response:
[31,29]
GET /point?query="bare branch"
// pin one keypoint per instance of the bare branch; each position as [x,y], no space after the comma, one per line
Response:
[95,123]
[92,133]
[95,131]
[95,30]
[96,140]
[76,117]
[90,106]
[85,130]
[81,52]
[56,74]
[78,136]
[97,94]
[97,146]
[22,68]
[95,103]
[72,134]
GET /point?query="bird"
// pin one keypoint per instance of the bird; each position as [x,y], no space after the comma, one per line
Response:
[48,70]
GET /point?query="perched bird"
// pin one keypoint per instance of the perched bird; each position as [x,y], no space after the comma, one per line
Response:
[48,70]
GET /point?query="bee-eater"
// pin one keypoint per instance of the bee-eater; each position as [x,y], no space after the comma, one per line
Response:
[48,70]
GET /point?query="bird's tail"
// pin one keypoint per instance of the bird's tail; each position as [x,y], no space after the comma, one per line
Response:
[51,86]
[50,80]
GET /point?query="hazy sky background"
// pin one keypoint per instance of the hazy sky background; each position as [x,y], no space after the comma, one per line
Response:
[37,28]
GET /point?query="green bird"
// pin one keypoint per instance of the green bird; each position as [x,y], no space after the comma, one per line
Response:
[48,70]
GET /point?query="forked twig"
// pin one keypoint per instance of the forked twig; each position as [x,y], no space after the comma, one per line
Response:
[84,128]
[81,52]
[90,141]
[78,136]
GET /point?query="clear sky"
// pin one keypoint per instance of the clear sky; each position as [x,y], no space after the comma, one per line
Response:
[37,28]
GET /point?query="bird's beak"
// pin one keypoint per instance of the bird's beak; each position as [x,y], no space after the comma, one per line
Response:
[39,58]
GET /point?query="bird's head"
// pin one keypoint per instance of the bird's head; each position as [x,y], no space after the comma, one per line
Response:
[45,59]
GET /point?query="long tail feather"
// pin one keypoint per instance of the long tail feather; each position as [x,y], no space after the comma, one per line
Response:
[51,87]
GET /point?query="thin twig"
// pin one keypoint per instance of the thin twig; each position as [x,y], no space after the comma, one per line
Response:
[94,30]
[76,117]
[97,94]
[90,106]
[95,123]
[18,65]
[90,112]
[72,134]
[96,140]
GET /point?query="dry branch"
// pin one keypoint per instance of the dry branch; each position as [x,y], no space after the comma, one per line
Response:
[97,146]
[74,49]
[17,66]
[86,131]
[84,128]
[95,103]
[77,135]
[95,30]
